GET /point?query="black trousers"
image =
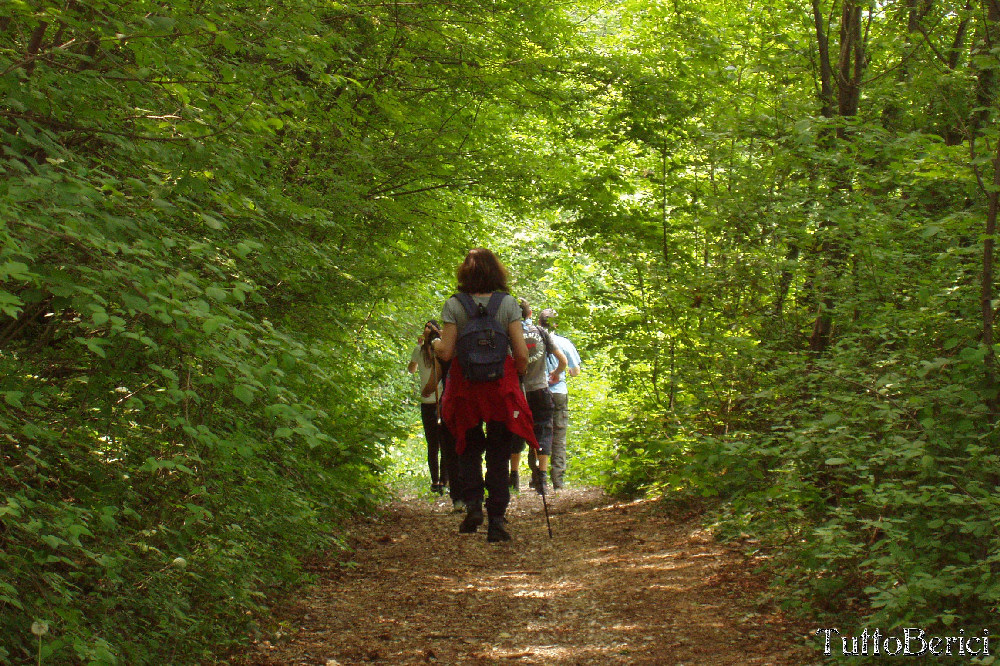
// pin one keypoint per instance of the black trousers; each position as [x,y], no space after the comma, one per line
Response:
[540,403]
[449,464]
[432,433]
[495,443]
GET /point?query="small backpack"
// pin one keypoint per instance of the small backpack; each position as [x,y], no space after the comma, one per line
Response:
[482,343]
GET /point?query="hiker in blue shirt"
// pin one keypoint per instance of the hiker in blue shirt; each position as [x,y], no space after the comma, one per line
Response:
[560,396]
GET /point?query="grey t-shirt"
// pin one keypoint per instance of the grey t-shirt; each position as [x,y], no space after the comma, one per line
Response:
[454,312]
[539,347]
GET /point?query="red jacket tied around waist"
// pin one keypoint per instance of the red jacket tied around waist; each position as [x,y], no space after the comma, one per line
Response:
[466,404]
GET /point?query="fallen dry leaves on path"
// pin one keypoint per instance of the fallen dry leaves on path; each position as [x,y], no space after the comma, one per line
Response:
[620,583]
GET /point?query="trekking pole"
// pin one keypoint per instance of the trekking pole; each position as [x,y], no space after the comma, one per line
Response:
[545,505]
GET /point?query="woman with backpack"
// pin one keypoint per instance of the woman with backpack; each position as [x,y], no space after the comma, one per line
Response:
[482,331]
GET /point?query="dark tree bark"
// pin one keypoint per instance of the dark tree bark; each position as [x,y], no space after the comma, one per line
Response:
[844,104]
[34,46]
[851,64]
[986,94]
[825,66]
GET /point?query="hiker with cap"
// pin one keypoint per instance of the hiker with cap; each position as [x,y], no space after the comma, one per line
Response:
[560,396]
[535,382]
[482,331]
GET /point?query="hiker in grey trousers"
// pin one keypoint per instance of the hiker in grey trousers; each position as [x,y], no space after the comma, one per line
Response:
[560,397]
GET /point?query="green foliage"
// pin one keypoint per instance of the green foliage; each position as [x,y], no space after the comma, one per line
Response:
[789,309]
[221,222]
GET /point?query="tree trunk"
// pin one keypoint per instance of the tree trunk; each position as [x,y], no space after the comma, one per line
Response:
[34,46]
[849,71]
[986,292]
[987,98]
[825,67]
[851,64]
[986,77]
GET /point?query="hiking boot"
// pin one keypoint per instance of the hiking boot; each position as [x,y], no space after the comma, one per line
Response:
[495,531]
[473,519]
[542,483]
[437,488]
[535,474]
[515,483]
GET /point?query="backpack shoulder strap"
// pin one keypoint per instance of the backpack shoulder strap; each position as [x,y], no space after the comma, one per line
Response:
[467,303]
[495,301]
[546,339]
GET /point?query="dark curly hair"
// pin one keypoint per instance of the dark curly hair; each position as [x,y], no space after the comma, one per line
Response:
[426,349]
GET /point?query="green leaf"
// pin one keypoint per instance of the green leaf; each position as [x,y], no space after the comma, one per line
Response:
[212,222]
[212,325]
[244,392]
[14,270]
[161,23]
[216,294]
[10,304]
[76,531]
[96,345]
[53,541]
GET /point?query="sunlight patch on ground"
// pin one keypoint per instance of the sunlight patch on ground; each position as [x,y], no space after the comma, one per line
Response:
[527,585]
[662,566]
[551,653]
[601,561]
[627,627]
[667,588]
[620,505]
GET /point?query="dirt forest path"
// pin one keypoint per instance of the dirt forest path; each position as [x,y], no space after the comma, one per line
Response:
[620,583]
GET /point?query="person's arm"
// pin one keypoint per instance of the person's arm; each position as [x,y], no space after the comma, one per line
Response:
[444,347]
[572,359]
[412,367]
[561,358]
[518,346]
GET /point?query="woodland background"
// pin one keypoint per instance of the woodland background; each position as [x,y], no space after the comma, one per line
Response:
[768,226]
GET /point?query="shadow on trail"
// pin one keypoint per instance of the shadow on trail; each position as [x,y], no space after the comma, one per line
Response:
[618,584]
